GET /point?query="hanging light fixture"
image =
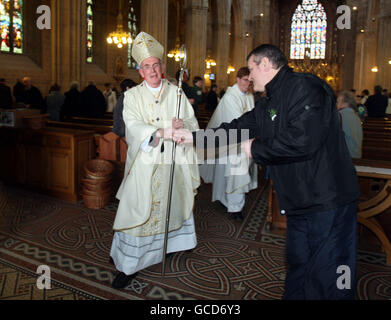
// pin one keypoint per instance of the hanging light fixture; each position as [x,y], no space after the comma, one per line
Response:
[210,62]
[230,69]
[375,69]
[119,37]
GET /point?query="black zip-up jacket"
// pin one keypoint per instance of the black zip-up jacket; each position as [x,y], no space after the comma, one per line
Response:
[298,135]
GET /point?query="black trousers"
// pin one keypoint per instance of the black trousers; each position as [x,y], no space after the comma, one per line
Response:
[321,251]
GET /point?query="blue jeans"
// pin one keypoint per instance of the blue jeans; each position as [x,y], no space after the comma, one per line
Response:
[321,251]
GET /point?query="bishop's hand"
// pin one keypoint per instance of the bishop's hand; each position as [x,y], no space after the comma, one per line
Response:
[177,123]
[182,136]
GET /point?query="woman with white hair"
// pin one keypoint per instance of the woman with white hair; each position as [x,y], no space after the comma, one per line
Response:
[351,124]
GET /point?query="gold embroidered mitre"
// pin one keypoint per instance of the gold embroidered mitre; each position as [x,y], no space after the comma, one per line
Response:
[146,46]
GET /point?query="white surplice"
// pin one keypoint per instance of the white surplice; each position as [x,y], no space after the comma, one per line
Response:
[233,175]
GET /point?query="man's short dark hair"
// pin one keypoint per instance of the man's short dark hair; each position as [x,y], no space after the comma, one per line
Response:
[366,92]
[378,89]
[242,72]
[273,53]
[127,83]
[196,79]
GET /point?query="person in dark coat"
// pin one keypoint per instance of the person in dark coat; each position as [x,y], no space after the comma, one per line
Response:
[92,102]
[211,99]
[54,103]
[19,92]
[71,106]
[187,90]
[5,95]
[295,131]
[377,104]
[119,124]
[33,97]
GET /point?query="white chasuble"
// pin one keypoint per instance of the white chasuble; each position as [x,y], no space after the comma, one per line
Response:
[143,193]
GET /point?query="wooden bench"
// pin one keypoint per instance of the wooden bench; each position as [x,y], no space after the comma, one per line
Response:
[100,129]
[97,121]
[375,186]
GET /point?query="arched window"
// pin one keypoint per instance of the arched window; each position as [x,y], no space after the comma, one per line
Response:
[133,30]
[90,30]
[308,31]
[11,26]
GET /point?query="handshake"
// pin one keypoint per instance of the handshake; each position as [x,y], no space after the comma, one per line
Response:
[176,133]
[180,135]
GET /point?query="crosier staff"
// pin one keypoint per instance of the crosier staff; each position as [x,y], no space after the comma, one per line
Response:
[183,61]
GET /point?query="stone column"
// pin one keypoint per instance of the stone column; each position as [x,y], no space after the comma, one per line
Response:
[348,54]
[196,35]
[222,55]
[154,20]
[223,12]
[68,42]
[384,46]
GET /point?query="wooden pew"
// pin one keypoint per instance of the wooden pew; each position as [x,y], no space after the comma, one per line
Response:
[374,207]
[100,129]
[97,121]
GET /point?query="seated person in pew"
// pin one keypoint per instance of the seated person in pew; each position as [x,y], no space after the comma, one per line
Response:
[351,124]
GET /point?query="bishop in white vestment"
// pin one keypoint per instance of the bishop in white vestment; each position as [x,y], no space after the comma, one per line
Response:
[139,225]
[234,174]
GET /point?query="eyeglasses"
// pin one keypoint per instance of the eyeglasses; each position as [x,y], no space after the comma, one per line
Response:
[148,67]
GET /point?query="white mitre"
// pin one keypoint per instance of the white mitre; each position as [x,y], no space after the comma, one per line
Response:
[146,46]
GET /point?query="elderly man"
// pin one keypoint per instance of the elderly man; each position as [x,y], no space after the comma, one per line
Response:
[351,123]
[229,187]
[295,130]
[32,97]
[140,220]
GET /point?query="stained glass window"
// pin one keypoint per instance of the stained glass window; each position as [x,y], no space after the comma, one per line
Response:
[133,30]
[90,30]
[11,26]
[308,31]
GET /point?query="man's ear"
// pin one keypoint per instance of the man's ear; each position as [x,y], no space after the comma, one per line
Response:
[266,64]
[141,72]
[163,68]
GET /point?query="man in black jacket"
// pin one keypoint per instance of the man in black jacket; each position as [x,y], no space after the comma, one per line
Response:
[295,130]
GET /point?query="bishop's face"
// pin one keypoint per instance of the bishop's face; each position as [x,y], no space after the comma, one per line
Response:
[151,70]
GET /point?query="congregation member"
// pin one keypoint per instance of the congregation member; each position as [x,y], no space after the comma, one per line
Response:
[212,100]
[110,96]
[32,96]
[140,220]
[71,107]
[197,93]
[187,90]
[19,92]
[119,124]
[295,130]
[228,187]
[5,94]
[54,103]
[377,104]
[351,123]
[92,102]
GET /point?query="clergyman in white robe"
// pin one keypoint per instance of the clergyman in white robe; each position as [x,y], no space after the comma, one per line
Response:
[233,174]
[140,220]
